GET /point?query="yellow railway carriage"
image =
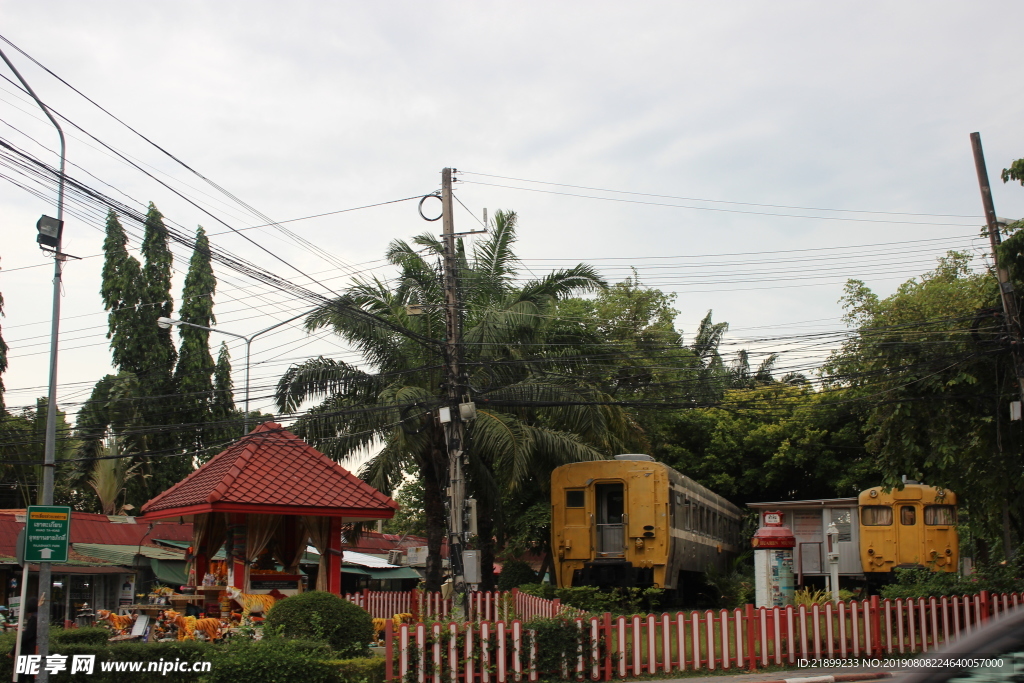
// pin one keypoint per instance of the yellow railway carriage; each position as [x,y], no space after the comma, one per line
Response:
[632,521]
[914,527]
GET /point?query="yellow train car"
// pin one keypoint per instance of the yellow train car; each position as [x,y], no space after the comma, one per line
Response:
[912,527]
[632,521]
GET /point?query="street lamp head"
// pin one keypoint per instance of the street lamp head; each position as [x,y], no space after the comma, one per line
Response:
[167,323]
[50,230]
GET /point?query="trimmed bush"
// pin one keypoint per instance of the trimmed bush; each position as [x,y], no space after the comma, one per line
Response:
[273,660]
[325,617]
[515,573]
[362,670]
[91,635]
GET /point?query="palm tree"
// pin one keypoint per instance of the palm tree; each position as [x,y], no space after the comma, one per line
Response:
[535,409]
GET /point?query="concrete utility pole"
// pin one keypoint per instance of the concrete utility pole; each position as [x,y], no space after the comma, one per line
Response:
[1010,313]
[455,427]
[50,448]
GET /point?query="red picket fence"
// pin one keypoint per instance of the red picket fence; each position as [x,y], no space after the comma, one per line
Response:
[496,606]
[608,647]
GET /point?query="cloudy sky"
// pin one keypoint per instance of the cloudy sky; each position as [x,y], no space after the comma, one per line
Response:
[774,149]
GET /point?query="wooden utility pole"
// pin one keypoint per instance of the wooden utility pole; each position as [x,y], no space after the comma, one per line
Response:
[455,427]
[1010,313]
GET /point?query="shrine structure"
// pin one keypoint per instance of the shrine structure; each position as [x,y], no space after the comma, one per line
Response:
[269,492]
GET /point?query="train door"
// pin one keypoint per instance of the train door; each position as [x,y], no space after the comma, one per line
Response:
[909,532]
[577,526]
[610,508]
[940,536]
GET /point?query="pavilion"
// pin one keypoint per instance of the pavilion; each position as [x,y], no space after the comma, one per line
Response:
[270,492]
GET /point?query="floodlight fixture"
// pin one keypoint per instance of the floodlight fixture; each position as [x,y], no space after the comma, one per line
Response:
[50,231]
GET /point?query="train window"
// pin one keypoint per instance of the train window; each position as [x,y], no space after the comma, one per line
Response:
[937,515]
[876,515]
[574,499]
[908,515]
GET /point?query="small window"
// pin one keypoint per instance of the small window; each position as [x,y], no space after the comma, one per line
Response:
[939,515]
[908,515]
[876,515]
[574,499]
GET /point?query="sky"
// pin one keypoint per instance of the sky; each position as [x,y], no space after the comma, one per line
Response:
[774,150]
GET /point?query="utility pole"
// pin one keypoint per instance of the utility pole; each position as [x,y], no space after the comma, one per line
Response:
[50,448]
[1010,313]
[455,428]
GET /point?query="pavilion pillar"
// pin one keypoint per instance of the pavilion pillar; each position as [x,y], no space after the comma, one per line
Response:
[334,557]
[201,561]
[237,564]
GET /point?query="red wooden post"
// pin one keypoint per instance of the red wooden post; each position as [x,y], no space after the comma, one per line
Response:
[236,562]
[414,604]
[876,624]
[389,650]
[748,614]
[606,628]
[334,556]
[984,606]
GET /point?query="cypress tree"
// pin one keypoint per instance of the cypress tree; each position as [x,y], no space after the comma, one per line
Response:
[3,360]
[121,292]
[222,407]
[193,376]
[156,302]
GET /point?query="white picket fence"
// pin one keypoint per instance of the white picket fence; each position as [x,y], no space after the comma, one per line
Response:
[482,651]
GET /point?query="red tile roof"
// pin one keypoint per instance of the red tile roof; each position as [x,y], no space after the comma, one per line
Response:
[91,528]
[272,471]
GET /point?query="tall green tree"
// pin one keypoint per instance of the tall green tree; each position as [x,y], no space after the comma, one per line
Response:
[930,368]
[3,360]
[193,375]
[136,296]
[530,417]
[121,293]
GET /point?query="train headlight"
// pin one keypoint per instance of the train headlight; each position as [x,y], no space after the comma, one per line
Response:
[871,551]
[949,551]
[639,543]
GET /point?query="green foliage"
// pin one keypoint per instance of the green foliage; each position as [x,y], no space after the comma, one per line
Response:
[558,640]
[411,516]
[598,600]
[514,573]
[1015,172]
[3,360]
[274,660]
[360,670]
[772,442]
[193,375]
[997,577]
[90,635]
[324,617]
[22,438]
[929,372]
[734,587]
[537,408]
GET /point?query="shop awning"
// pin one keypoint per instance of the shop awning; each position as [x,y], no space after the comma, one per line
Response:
[382,574]
[171,572]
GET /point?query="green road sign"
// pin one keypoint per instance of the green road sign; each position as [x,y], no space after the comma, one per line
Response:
[47,533]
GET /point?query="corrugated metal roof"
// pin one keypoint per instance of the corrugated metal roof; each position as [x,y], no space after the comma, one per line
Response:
[90,528]
[124,555]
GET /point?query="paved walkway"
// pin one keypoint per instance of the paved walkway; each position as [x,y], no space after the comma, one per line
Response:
[792,676]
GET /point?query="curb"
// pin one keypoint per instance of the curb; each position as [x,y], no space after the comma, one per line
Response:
[840,678]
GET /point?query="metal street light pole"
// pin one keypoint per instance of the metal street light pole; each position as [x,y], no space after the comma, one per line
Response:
[171,322]
[49,454]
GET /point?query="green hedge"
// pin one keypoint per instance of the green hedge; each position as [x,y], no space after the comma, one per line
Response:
[271,660]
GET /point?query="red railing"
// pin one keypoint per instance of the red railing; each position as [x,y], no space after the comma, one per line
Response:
[491,606]
[484,651]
